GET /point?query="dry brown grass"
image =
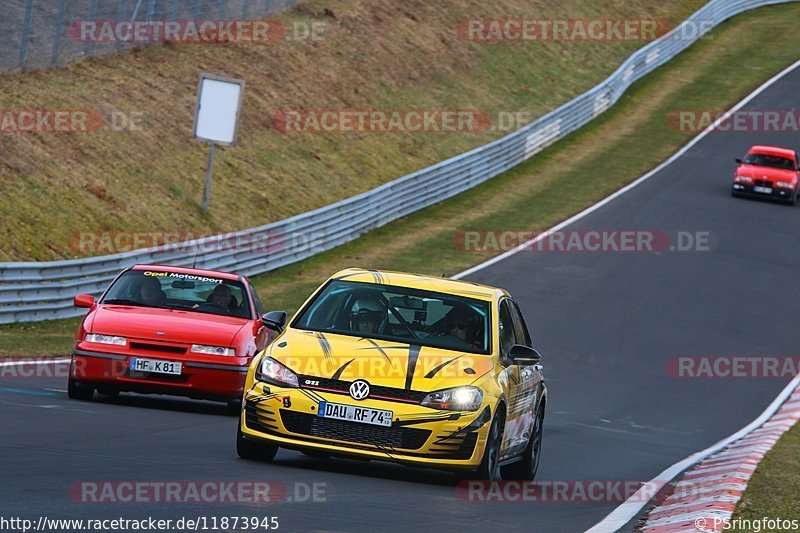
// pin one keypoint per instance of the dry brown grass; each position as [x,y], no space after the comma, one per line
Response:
[375,54]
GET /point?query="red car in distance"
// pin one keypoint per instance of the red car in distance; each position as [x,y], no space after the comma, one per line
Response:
[768,172]
[169,330]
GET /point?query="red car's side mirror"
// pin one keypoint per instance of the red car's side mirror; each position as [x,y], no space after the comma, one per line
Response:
[84,300]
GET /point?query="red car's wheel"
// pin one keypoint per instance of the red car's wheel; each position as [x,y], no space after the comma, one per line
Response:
[76,391]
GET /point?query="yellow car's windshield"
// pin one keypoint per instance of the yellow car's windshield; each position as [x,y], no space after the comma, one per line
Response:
[399,314]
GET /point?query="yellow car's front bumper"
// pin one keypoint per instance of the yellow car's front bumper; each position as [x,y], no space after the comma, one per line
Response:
[418,435]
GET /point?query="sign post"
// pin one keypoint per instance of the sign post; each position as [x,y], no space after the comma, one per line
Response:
[216,119]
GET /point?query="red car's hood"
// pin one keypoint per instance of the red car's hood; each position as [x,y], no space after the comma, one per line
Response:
[769,173]
[176,326]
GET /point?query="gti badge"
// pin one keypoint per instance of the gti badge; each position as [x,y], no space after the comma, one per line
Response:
[359,389]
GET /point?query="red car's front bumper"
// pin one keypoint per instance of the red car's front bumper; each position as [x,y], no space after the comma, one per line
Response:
[198,379]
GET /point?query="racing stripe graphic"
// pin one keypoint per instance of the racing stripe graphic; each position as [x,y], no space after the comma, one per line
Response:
[338,373]
[313,396]
[263,398]
[412,422]
[379,279]
[376,346]
[433,372]
[475,425]
[413,355]
[325,345]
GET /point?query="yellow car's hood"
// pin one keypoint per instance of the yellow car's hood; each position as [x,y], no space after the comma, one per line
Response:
[383,363]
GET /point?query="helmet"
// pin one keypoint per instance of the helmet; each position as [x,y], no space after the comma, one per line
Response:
[368,310]
[464,318]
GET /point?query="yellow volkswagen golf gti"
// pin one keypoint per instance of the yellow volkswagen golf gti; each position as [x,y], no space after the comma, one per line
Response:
[400,367]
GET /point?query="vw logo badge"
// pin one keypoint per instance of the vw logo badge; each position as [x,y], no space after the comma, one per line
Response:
[359,389]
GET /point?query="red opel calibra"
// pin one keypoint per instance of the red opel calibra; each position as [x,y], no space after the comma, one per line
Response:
[168,330]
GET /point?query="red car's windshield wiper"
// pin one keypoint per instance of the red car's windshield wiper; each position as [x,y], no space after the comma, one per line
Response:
[127,301]
[121,301]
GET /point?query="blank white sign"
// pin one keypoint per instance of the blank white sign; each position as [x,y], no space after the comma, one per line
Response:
[218,107]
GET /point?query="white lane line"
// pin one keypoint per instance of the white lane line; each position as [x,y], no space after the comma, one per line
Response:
[35,362]
[586,212]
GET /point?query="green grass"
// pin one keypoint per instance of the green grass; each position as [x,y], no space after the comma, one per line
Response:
[774,490]
[534,196]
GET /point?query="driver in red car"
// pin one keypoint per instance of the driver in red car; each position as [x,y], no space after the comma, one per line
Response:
[150,292]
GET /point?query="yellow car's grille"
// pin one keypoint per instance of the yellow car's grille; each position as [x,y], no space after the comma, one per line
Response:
[377,392]
[327,428]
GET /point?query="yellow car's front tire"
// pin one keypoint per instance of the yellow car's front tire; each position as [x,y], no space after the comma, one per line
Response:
[252,450]
[489,469]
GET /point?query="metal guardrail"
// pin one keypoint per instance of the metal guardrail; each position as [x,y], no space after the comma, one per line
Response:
[39,33]
[40,291]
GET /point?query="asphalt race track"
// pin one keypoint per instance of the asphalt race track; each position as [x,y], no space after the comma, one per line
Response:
[607,323]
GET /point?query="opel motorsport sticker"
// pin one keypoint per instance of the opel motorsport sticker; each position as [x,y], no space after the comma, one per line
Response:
[187,277]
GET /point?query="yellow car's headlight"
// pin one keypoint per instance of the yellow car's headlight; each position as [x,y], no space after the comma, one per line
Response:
[271,371]
[466,398]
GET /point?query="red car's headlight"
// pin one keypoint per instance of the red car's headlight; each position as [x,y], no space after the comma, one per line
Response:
[105,339]
[213,350]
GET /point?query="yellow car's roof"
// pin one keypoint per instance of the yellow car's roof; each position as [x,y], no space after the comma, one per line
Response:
[418,281]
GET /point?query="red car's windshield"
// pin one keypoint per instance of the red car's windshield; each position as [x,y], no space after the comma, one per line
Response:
[172,290]
[765,160]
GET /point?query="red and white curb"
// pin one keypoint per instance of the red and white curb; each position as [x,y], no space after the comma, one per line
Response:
[708,493]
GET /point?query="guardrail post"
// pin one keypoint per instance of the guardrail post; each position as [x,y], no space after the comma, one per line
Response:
[56,53]
[87,49]
[26,34]
[121,14]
